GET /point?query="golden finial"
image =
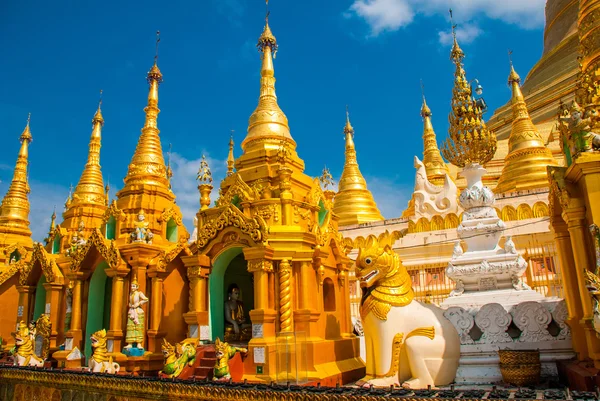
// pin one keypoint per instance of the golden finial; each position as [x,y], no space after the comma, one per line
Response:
[169,170]
[457,53]
[230,158]
[513,76]
[14,213]
[283,154]
[525,166]
[204,173]
[425,110]
[53,217]
[267,39]
[98,116]
[326,179]
[354,203]
[134,280]
[469,141]
[154,74]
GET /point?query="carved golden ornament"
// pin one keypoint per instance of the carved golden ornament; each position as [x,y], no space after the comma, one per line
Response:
[166,215]
[167,256]
[114,211]
[260,265]
[268,211]
[469,140]
[240,189]
[342,275]
[196,272]
[399,341]
[285,296]
[255,227]
[9,270]
[47,263]
[385,238]
[326,179]
[204,174]
[106,248]
[558,186]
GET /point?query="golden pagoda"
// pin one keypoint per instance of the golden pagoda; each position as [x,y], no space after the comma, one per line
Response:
[525,164]
[15,237]
[354,203]
[432,159]
[273,234]
[87,205]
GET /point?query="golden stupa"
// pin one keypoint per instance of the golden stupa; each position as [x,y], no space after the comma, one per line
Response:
[354,203]
[432,159]
[525,165]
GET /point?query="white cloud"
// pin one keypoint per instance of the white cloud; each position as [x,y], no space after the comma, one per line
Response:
[390,15]
[466,33]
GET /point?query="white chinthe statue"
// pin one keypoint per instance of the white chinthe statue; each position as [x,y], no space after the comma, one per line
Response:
[407,342]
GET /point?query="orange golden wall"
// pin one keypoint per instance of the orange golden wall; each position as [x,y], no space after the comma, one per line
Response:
[9,303]
[175,304]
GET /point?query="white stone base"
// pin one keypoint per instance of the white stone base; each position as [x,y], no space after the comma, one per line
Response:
[479,363]
[507,298]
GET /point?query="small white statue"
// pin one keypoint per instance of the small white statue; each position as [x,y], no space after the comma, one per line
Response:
[509,245]
[135,317]
[142,232]
[457,250]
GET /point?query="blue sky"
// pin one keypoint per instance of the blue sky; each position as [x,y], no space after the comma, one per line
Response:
[369,54]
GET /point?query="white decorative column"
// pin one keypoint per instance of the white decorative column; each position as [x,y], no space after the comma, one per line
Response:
[485,272]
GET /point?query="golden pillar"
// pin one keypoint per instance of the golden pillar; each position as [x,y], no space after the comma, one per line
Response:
[25,297]
[286,195]
[118,305]
[570,285]
[156,299]
[75,330]
[285,296]
[579,233]
[198,268]
[54,293]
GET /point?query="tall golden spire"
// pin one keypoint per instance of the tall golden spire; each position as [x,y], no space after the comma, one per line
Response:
[267,122]
[14,211]
[432,159]
[148,164]
[90,189]
[353,203]
[230,158]
[525,164]
[469,141]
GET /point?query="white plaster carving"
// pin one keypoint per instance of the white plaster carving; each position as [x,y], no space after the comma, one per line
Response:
[560,315]
[484,266]
[462,321]
[431,200]
[532,319]
[493,320]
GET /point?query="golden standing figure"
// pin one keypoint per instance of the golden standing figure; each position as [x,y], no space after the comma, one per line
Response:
[135,317]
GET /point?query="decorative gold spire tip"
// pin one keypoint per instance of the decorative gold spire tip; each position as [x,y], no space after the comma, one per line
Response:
[267,38]
[154,74]
[425,110]
[204,173]
[98,116]
[457,53]
[348,129]
[513,77]
[26,135]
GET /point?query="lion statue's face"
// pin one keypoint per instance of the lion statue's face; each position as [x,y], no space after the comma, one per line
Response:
[98,339]
[167,349]
[22,335]
[373,262]
[221,348]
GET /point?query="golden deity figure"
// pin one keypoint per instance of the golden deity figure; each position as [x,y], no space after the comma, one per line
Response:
[236,327]
[142,232]
[135,317]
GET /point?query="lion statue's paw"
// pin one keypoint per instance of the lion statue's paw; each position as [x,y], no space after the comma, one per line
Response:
[415,384]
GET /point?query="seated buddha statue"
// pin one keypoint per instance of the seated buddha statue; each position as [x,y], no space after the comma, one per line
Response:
[236,327]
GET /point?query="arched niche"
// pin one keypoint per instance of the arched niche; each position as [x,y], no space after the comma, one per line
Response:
[328,295]
[110,228]
[40,298]
[172,231]
[217,288]
[99,293]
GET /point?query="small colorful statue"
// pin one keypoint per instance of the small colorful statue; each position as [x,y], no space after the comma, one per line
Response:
[23,352]
[135,317]
[142,232]
[224,353]
[178,357]
[101,362]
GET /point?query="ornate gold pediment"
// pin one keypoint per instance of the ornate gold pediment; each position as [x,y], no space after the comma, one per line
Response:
[316,195]
[168,255]
[255,227]
[50,269]
[105,247]
[113,210]
[243,191]
[168,213]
